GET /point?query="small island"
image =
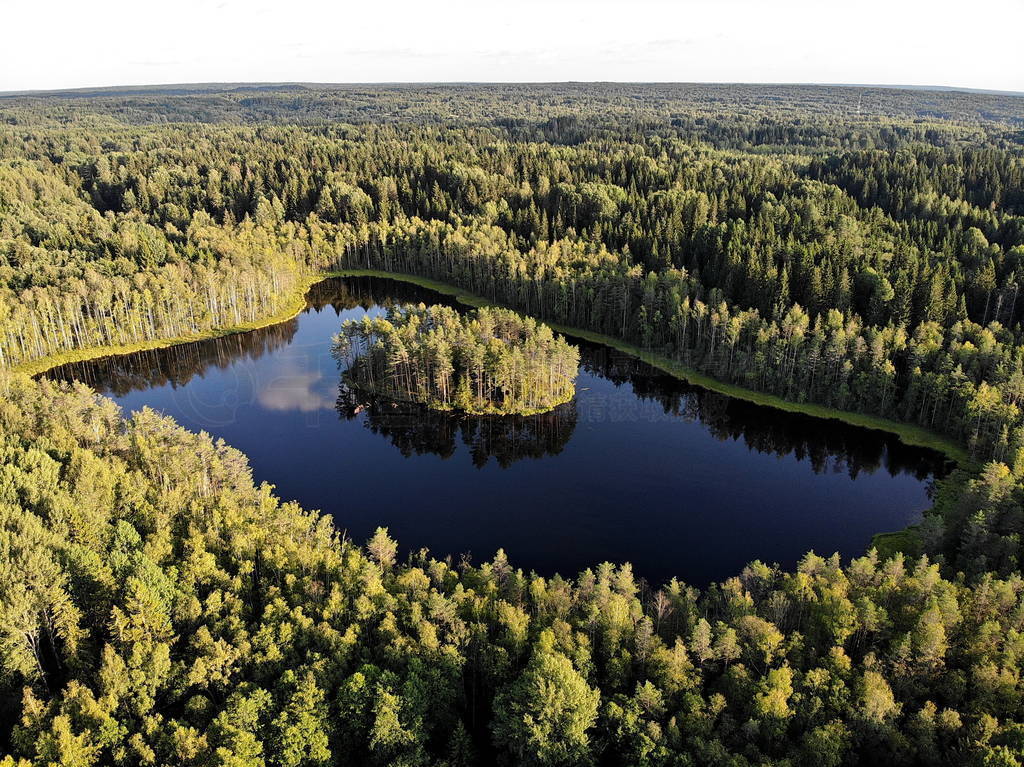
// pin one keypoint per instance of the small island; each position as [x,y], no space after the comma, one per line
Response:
[489,361]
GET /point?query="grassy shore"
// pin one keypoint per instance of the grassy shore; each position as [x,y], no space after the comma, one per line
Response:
[296,302]
[906,542]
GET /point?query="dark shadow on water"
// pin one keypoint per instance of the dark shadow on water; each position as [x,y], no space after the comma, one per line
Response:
[416,429]
[829,445]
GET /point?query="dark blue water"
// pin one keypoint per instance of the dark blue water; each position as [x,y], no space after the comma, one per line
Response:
[640,467]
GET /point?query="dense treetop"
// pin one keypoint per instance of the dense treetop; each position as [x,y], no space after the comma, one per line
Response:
[860,249]
[156,607]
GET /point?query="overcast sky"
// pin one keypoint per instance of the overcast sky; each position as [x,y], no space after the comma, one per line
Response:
[65,44]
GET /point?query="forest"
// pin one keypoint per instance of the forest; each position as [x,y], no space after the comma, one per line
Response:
[853,249]
[489,361]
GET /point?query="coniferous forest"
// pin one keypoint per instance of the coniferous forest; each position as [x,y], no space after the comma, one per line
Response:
[857,252]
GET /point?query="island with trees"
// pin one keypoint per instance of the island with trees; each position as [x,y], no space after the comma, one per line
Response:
[490,361]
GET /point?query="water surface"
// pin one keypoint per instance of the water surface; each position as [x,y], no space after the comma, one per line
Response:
[640,467]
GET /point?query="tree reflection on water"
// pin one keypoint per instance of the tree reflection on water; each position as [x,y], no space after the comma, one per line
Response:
[416,429]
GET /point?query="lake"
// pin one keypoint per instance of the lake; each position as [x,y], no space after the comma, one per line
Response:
[639,467]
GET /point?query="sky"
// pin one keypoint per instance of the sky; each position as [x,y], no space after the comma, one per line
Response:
[53,44]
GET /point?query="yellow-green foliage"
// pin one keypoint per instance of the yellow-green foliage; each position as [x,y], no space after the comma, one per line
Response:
[158,606]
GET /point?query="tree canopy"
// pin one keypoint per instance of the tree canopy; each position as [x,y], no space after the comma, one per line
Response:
[158,607]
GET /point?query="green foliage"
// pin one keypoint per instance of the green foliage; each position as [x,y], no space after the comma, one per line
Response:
[543,717]
[158,607]
[188,617]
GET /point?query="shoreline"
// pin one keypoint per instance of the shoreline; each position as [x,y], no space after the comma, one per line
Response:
[294,305]
[916,436]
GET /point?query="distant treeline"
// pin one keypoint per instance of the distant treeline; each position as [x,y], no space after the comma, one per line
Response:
[753,114]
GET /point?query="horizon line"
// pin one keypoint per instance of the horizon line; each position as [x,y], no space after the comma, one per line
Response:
[218,84]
